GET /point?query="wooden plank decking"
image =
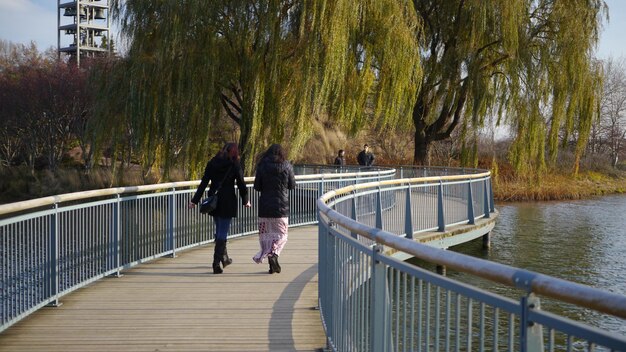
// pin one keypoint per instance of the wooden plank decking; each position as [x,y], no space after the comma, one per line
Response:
[177,304]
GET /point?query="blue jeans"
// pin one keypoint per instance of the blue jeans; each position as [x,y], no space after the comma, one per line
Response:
[221,227]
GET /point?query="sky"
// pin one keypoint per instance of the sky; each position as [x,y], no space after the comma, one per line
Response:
[23,21]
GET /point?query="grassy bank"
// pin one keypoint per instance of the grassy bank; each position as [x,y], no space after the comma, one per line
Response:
[559,187]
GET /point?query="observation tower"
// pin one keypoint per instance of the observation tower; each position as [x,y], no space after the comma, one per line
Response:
[84,28]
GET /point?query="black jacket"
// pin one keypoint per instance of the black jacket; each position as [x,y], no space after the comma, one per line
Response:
[218,169]
[365,159]
[274,180]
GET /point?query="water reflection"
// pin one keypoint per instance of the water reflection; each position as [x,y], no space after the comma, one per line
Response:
[581,241]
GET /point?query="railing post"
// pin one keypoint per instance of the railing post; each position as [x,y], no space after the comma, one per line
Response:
[492,202]
[325,256]
[114,247]
[354,214]
[487,199]
[379,210]
[531,334]
[379,324]
[320,193]
[470,203]
[118,235]
[408,214]
[171,222]
[441,222]
[53,263]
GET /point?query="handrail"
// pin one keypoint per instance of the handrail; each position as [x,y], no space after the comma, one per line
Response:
[50,200]
[359,186]
[570,292]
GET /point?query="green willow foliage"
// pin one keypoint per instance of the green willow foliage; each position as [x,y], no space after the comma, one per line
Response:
[528,62]
[271,66]
[274,66]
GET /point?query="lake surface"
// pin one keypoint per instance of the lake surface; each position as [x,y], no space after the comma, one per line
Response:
[583,241]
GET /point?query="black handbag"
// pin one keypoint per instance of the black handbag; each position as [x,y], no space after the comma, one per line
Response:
[209,204]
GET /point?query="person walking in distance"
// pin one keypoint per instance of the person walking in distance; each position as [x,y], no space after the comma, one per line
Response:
[274,178]
[223,170]
[365,157]
[340,159]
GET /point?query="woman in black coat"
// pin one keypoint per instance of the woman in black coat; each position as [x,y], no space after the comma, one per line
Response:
[223,170]
[274,178]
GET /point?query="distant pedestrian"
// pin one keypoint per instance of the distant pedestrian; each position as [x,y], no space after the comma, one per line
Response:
[365,157]
[274,178]
[340,159]
[223,170]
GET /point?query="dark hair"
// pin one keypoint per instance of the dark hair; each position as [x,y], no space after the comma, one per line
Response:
[229,150]
[340,151]
[275,153]
[365,145]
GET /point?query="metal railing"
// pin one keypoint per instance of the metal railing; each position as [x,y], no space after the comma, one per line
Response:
[371,301]
[52,246]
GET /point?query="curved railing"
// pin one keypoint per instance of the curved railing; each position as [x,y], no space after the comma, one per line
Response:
[371,301]
[54,245]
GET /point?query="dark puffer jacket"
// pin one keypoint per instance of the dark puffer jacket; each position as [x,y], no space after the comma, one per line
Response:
[218,169]
[274,180]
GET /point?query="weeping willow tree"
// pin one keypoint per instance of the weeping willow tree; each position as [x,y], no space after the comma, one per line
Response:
[527,62]
[270,66]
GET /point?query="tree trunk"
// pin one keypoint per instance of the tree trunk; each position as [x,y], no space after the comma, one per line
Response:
[422,142]
[422,149]
[87,152]
[246,144]
[245,151]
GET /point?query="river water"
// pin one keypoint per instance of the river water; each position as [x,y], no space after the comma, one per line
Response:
[583,241]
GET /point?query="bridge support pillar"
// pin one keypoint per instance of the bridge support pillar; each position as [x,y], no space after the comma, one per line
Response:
[487,240]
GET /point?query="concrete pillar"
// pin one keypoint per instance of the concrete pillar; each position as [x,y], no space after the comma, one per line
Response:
[486,241]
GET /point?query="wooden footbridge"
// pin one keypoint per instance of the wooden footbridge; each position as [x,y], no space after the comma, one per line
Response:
[178,304]
[343,287]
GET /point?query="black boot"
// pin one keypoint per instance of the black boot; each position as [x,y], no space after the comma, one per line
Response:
[216,268]
[226,261]
[217,257]
[274,266]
